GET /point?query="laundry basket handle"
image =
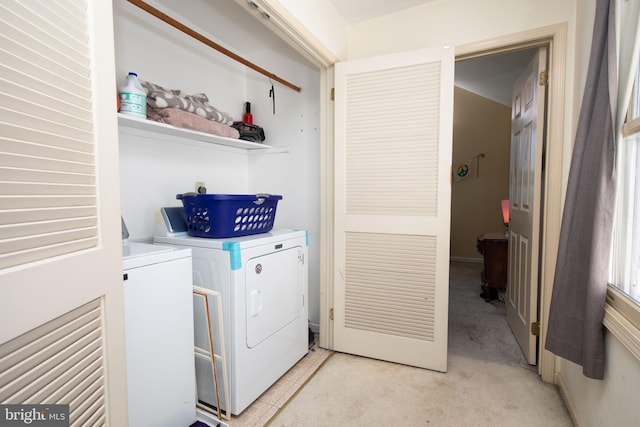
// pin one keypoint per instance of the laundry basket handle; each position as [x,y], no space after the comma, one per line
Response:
[261,197]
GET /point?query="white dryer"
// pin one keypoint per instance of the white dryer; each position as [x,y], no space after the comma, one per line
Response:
[263,281]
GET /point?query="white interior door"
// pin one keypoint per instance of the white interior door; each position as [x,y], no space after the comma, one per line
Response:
[527,143]
[393,121]
[61,305]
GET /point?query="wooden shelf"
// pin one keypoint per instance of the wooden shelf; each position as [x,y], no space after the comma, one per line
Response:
[125,121]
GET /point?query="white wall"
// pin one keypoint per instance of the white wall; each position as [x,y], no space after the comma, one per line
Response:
[322,19]
[455,22]
[166,56]
[610,402]
[294,170]
[154,168]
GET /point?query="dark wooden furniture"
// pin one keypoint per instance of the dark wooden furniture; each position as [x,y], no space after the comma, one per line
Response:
[494,248]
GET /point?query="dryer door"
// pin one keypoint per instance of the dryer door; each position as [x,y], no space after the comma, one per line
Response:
[274,296]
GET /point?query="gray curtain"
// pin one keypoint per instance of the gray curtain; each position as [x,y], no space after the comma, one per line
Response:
[575,330]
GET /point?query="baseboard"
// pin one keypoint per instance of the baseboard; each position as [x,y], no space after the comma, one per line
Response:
[568,400]
[466,259]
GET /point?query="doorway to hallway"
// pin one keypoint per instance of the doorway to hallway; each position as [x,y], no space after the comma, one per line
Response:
[485,108]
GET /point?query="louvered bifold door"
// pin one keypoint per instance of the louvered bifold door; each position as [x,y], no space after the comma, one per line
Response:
[61,304]
[47,167]
[59,363]
[392,209]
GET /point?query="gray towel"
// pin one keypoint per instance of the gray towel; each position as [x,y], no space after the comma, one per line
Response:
[159,97]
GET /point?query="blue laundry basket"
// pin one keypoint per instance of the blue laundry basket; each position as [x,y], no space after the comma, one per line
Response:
[229,215]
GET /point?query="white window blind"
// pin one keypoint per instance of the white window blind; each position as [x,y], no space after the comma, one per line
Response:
[47,167]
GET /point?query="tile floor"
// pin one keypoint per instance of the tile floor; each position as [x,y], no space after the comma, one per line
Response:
[272,400]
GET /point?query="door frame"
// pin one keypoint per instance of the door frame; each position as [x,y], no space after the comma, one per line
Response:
[555,38]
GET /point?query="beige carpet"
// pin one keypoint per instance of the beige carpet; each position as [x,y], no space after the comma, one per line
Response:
[488,382]
[478,329]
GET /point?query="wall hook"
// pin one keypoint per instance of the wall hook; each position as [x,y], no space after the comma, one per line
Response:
[272,95]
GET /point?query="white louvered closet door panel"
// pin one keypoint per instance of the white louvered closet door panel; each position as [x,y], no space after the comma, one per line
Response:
[62,335]
[394,117]
[47,166]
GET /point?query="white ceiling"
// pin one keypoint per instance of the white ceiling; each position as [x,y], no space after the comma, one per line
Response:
[493,76]
[355,11]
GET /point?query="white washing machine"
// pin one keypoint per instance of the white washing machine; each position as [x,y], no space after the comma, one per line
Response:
[263,281]
[159,335]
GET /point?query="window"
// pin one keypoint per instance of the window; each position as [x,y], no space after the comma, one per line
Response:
[622,314]
[625,265]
